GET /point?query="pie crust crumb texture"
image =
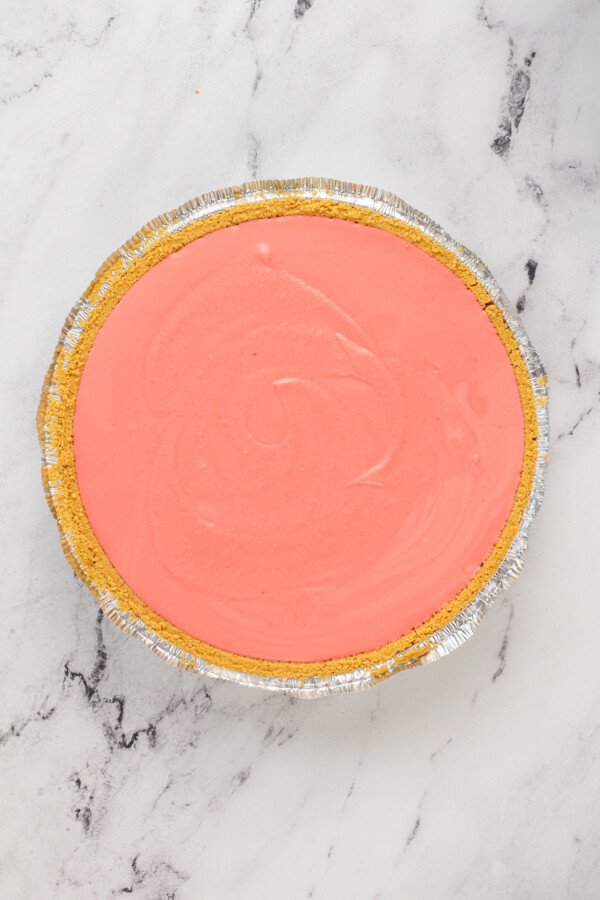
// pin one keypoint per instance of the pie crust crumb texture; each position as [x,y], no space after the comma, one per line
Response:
[55,426]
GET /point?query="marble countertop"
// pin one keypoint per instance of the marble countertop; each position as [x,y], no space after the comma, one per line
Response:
[473,777]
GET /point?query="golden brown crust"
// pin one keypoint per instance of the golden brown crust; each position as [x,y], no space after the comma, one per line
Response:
[55,425]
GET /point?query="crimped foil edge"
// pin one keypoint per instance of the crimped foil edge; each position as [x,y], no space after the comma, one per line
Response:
[464,624]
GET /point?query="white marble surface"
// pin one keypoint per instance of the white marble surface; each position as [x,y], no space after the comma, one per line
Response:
[474,777]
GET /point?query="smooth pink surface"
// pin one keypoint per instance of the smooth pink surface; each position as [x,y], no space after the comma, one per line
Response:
[298,438]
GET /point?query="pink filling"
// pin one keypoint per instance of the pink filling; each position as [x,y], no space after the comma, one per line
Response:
[298,438]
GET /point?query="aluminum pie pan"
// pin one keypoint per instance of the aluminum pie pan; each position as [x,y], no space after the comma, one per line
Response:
[463,625]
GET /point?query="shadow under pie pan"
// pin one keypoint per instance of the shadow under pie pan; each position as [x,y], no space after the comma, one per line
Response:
[293,437]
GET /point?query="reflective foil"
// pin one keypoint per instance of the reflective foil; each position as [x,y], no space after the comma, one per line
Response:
[465,623]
